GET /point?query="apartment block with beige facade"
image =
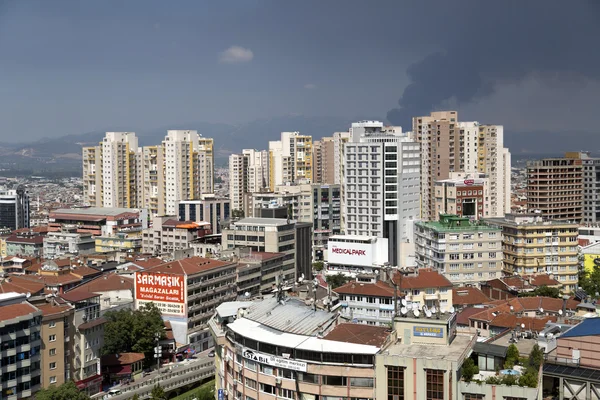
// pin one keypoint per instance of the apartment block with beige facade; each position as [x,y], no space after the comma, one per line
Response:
[249,172]
[465,251]
[290,159]
[534,245]
[324,160]
[555,187]
[448,146]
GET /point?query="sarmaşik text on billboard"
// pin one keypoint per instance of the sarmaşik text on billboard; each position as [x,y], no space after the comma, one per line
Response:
[159,287]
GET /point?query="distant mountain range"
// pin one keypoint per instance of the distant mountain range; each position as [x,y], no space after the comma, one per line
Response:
[65,151]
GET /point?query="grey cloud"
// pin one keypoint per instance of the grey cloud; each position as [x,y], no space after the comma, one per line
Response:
[494,43]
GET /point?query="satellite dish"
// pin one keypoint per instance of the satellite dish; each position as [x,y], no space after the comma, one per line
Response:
[247,294]
[443,310]
[28,295]
[403,302]
[511,308]
[522,326]
[415,306]
[403,310]
[541,310]
[550,336]
[433,310]
[428,313]
[452,310]
[416,312]
[560,312]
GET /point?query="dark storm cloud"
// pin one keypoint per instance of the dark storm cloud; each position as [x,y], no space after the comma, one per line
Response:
[491,43]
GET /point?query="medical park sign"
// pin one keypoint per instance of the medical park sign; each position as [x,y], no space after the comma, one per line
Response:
[345,253]
[273,361]
[167,291]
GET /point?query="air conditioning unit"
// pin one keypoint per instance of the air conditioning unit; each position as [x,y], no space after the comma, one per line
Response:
[278,381]
[235,382]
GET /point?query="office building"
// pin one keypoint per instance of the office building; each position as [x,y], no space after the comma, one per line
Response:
[14,208]
[448,145]
[535,245]
[20,353]
[111,174]
[271,235]
[209,208]
[300,352]
[195,287]
[290,159]
[465,195]
[555,187]
[249,172]
[168,235]
[465,251]
[381,192]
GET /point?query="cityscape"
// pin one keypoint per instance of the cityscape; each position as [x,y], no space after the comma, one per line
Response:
[437,252]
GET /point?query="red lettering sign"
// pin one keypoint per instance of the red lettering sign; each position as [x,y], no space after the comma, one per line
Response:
[469,181]
[350,252]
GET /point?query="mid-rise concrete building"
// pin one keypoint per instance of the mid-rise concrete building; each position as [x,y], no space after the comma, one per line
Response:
[271,235]
[168,234]
[555,187]
[14,208]
[290,159]
[20,352]
[448,145]
[195,287]
[466,195]
[591,189]
[465,251]
[209,208]
[380,196]
[356,255]
[324,161]
[68,243]
[249,172]
[258,272]
[99,221]
[535,245]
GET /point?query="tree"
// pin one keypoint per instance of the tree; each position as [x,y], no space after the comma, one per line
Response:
[590,280]
[158,393]
[469,369]
[536,357]
[529,378]
[236,214]
[66,391]
[337,280]
[512,356]
[135,397]
[136,331]
[318,266]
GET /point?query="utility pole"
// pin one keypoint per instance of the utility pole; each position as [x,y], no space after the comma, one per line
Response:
[157,351]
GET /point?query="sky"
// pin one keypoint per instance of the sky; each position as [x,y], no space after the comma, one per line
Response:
[71,66]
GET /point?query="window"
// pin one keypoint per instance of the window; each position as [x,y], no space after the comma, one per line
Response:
[361,382]
[287,393]
[53,379]
[308,378]
[52,338]
[251,383]
[251,365]
[395,383]
[52,365]
[435,384]
[285,373]
[52,324]
[334,380]
[265,369]
[267,388]
[52,352]
[473,396]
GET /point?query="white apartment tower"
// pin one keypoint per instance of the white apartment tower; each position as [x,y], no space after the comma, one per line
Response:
[189,167]
[290,159]
[248,173]
[110,171]
[380,194]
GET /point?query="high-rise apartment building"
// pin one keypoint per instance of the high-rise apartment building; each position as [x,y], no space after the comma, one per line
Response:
[110,172]
[463,251]
[591,189]
[448,146]
[535,245]
[381,192]
[14,208]
[339,140]
[290,159]
[118,173]
[248,173]
[555,187]
[324,161]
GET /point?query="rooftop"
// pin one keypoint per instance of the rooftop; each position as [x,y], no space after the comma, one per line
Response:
[262,221]
[359,334]
[528,220]
[78,295]
[104,211]
[106,283]
[378,289]
[12,311]
[189,266]
[425,278]
[112,360]
[261,256]
[454,223]
[587,327]
[454,352]
[53,309]
[462,296]
[230,308]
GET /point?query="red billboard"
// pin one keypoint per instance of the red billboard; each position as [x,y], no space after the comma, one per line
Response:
[167,291]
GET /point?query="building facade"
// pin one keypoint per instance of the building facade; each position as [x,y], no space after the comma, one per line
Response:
[249,172]
[14,209]
[466,252]
[324,161]
[465,195]
[380,196]
[64,243]
[555,187]
[209,208]
[290,159]
[534,245]
[591,189]
[168,235]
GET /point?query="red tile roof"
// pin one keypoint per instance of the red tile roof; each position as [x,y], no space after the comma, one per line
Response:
[465,296]
[360,334]
[462,318]
[36,239]
[14,283]
[263,256]
[106,283]
[78,295]
[53,309]
[542,280]
[189,266]
[53,280]
[113,360]
[378,289]
[426,278]
[16,310]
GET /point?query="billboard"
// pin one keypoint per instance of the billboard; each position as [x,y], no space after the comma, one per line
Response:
[344,253]
[273,361]
[167,291]
[428,331]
